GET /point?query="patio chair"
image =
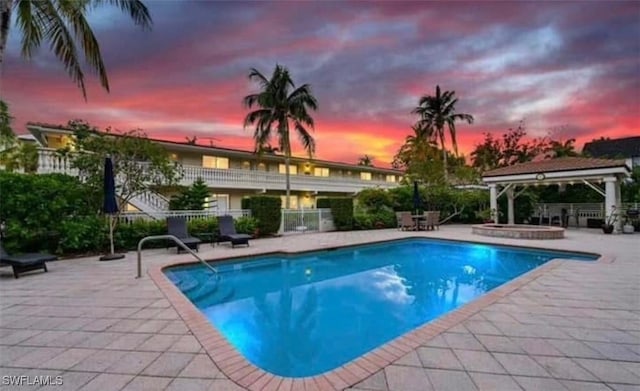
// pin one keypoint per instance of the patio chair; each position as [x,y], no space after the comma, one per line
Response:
[25,262]
[407,222]
[431,220]
[177,226]
[228,232]
[435,219]
[399,220]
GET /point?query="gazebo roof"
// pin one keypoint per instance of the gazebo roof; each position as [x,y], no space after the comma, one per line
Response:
[556,165]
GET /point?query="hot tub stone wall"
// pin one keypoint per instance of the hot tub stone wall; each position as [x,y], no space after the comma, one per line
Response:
[518,231]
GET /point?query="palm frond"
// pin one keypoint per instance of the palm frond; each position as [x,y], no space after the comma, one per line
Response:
[29,20]
[73,13]
[255,74]
[61,42]
[306,139]
[136,9]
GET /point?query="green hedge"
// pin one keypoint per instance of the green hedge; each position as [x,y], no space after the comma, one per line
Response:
[323,203]
[39,209]
[266,210]
[342,211]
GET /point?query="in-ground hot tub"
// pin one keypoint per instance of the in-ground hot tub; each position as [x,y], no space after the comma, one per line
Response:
[518,231]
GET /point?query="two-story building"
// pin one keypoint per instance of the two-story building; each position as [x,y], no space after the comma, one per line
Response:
[232,174]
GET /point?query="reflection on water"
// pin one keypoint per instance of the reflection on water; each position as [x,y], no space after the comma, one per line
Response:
[306,315]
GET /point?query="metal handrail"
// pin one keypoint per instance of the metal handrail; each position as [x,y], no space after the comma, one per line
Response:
[178,242]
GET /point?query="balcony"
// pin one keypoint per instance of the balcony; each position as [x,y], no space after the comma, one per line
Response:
[50,162]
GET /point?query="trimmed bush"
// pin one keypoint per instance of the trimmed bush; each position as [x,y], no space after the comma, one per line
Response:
[34,207]
[246,225]
[266,210]
[87,234]
[323,203]
[127,236]
[342,211]
[203,225]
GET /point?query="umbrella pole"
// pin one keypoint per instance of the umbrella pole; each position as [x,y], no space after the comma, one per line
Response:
[112,255]
[111,233]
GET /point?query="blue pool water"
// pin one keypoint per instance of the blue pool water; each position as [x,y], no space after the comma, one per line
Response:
[303,315]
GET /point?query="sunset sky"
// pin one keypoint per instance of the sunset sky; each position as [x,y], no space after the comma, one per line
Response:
[569,66]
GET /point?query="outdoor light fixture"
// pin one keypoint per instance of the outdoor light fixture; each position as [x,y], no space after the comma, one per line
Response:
[540,177]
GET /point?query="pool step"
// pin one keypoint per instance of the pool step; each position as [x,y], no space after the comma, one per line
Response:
[187,284]
[213,291]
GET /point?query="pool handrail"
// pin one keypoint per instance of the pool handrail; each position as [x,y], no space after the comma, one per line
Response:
[178,242]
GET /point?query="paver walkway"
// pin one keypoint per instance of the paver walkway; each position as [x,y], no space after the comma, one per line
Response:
[577,327]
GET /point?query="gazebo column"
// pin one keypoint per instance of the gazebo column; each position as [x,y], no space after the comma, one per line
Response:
[493,202]
[510,208]
[610,198]
[618,223]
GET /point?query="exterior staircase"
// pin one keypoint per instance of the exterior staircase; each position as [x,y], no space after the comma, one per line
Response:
[151,203]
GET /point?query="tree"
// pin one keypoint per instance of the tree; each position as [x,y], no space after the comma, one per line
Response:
[14,154]
[366,161]
[191,198]
[486,156]
[139,164]
[280,105]
[559,148]
[63,25]
[511,148]
[437,112]
[420,158]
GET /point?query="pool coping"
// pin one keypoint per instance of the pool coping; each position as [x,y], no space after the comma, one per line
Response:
[239,370]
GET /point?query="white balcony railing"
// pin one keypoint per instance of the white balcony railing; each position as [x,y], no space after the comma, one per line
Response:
[50,162]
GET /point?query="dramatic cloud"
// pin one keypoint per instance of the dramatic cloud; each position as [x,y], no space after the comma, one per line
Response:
[570,67]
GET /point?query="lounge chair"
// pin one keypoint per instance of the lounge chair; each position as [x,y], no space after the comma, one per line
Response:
[25,262]
[177,226]
[228,232]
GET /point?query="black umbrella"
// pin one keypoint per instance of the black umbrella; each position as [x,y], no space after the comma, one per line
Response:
[417,201]
[110,205]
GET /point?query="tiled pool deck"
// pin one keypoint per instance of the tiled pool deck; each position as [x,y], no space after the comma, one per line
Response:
[566,326]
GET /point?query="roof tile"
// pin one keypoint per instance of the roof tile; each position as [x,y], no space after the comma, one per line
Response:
[552,165]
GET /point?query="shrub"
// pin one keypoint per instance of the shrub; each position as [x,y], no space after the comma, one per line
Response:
[127,236]
[246,225]
[203,225]
[342,211]
[266,210]
[82,235]
[374,199]
[323,203]
[34,206]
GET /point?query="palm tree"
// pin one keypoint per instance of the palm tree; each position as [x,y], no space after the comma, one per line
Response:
[435,113]
[63,25]
[556,149]
[366,161]
[280,105]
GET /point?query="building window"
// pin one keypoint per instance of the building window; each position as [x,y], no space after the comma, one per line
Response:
[218,202]
[293,170]
[391,178]
[262,167]
[365,176]
[215,162]
[320,171]
[293,202]
[246,165]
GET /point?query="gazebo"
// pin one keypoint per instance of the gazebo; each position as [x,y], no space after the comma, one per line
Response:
[512,180]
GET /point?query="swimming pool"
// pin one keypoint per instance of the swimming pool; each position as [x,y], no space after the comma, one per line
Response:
[302,315]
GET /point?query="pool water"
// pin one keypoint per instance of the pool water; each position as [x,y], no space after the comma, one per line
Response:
[303,315]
